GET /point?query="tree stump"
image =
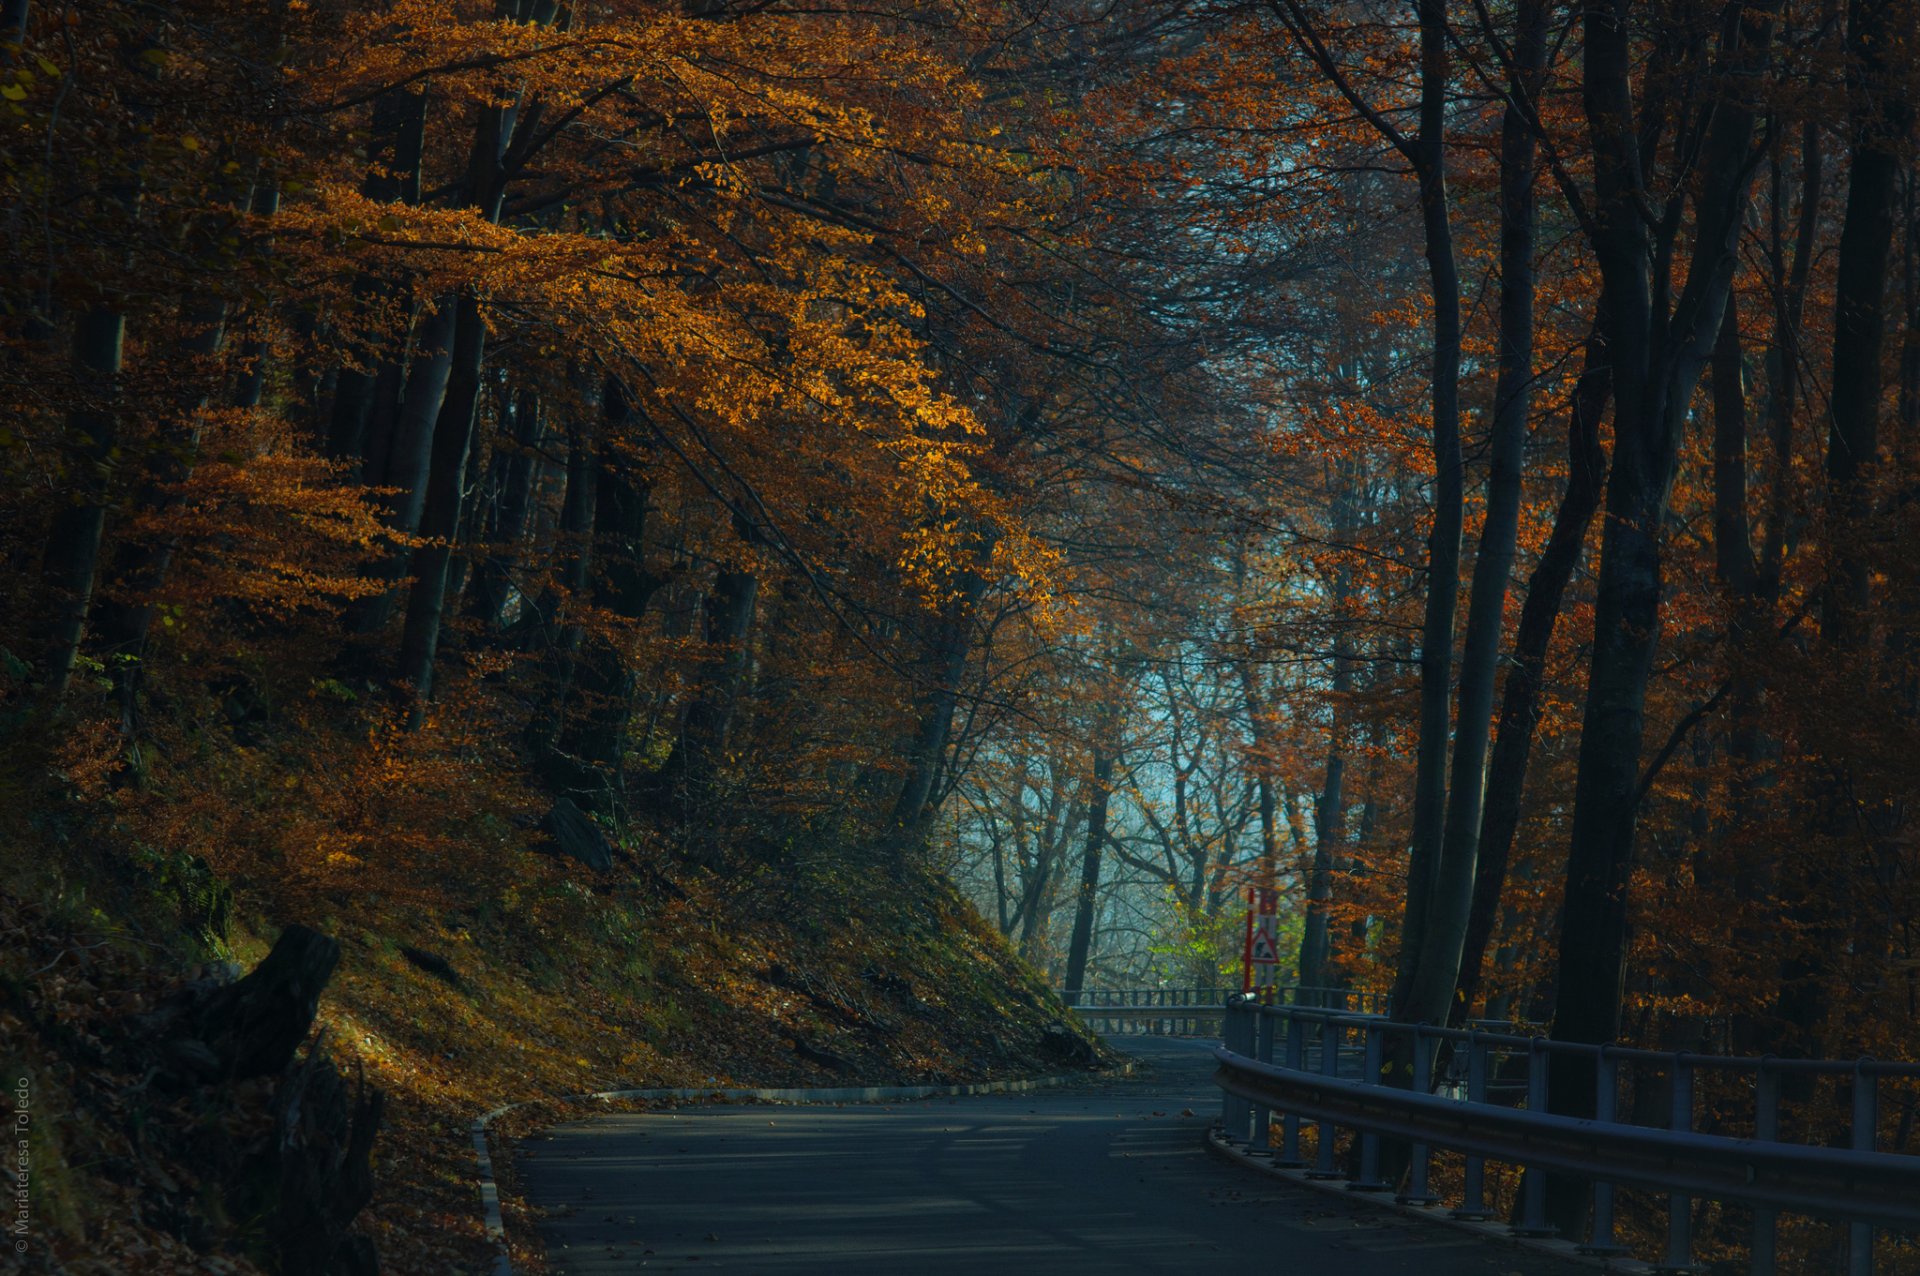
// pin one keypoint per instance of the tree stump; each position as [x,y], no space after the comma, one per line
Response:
[577,837]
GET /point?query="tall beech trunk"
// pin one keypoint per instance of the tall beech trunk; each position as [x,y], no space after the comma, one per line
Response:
[1880,118]
[406,461]
[1330,804]
[477,505]
[1725,862]
[1784,351]
[1735,562]
[1657,355]
[72,560]
[1087,897]
[594,737]
[1363,836]
[70,564]
[140,567]
[1429,982]
[1753,583]
[454,426]
[562,642]
[1259,731]
[1268,873]
[250,384]
[945,667]
[1909,402]
[1427,152]
[516,467]
[1037,898]
[434,432]
[1038,892]
[700,754]
[1520,699]
[1329,838]
[1752,580]
[395,147]
[440,511]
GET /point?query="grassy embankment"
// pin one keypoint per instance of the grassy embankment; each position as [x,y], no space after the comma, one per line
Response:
[475,971]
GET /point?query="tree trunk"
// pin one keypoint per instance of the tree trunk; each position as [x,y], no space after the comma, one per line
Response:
[139,569]
[1431,978]
[1330,805]
[1909,403]
[1443,542]
[699,755]
[440,514]
[1080,947]
[407,460]
[946,666]
[13,21]
[594,737]
[1520,699]
[250,386]
[575,549]
[72,558]
[1657,357]
[1329,813]
[453,429]
[395,148]
[1879,119]
[515,469]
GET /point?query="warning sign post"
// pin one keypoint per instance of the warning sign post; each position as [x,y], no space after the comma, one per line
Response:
[1260,960]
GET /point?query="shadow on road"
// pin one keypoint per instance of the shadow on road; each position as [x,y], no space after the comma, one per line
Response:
[1107,1177]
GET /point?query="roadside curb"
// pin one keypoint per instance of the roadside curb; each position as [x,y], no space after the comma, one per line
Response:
[490,1190]
[1496,1233]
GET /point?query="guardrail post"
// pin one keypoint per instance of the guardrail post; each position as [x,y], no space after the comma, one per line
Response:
[1680,1206]
[1416,1193]
[1533,1190]
[1766,1128]
[1866,1117]
[1473,1196]
[1606,1102]
[1233,1112]
[1324,1166]
[1296,1058]
[1226,1096]
[1263,1051]
[1373,1063]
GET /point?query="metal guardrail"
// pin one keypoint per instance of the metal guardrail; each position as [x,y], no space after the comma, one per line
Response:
[1331,1068]
[1187,1011]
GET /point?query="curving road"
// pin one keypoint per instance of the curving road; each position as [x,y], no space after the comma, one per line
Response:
[1108,1178]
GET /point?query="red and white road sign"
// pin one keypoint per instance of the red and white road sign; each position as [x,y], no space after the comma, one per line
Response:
[1260,959]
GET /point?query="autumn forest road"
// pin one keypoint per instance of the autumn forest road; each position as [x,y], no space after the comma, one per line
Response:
[1109,1178]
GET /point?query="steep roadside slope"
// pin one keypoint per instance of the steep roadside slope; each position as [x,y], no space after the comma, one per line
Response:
[516,975]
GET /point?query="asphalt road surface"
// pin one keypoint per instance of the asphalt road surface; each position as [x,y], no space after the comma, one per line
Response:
[1108,1179]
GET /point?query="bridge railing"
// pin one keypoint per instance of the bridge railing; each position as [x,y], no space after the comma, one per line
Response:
[1328,1067]
[1192,1011]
